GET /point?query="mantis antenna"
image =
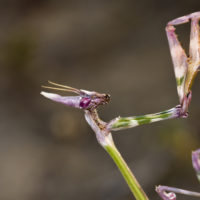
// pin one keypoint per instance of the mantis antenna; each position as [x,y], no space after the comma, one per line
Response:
[62,88]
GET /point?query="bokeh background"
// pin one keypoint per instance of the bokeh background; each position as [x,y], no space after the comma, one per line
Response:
[47,151]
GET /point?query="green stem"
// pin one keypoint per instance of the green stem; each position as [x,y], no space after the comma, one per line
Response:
[130,122]
[126,172]
[104,138]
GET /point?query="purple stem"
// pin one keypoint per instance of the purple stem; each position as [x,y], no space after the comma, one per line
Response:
[168,193]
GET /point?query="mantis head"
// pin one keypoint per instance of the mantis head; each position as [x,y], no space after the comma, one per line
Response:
[86,100]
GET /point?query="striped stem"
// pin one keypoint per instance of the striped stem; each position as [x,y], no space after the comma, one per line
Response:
[130,122]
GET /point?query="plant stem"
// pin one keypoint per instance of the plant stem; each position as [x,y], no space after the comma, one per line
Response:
[120,123]
[162,191]
[104,137]
[126,172]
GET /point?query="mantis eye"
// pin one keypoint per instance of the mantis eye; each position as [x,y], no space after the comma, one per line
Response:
[107,97]
[84,102]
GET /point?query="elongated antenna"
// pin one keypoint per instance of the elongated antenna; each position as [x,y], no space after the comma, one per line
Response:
[65,86]
[54,88]
[62,88]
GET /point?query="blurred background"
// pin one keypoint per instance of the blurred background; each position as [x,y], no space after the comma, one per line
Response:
[47,150]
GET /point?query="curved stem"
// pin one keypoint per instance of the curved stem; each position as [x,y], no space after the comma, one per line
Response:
[168,193]
[126,172]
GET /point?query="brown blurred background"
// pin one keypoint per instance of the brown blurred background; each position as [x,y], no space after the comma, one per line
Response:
[47,151]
